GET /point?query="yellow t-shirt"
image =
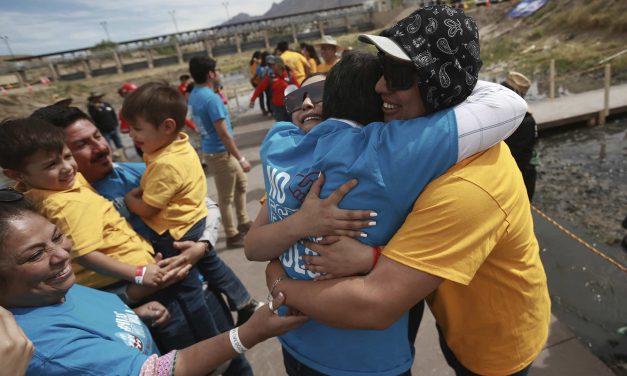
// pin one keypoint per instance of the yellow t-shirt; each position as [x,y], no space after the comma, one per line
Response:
[472,227]
[297,63]
[93,224]
[324,67]
[313,66]
[175,183]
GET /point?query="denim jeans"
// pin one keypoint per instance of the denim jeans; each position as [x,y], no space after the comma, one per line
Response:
[221,278]
[114,140]
[191,318]
[214,271]
[295,368]
[459,369]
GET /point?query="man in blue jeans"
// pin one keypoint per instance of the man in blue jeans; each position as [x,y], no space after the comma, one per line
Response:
[114,180]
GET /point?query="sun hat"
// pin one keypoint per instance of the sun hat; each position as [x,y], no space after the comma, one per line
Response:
[443,45]
[58,100]
[330,41]
[95,94]
[518,82]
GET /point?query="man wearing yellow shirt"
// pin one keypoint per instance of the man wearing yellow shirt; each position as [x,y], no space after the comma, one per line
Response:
[468,247]
[328,50]
[296,62]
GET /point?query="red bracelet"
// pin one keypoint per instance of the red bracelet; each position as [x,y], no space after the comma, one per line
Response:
[376,253]
[140,271]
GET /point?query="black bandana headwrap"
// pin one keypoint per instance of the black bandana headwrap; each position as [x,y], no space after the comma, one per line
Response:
[443,44]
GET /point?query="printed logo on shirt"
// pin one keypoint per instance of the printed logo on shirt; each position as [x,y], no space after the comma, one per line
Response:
[133,329]
[131,340]
[279,201]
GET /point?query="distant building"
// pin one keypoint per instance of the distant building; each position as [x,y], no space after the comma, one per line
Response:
[379,5]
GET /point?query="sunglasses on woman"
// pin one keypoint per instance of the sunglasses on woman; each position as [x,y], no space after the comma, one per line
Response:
[398,76]
[294,100]
[10,195]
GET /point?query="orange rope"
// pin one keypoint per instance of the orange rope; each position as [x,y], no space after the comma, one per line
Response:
[583,242]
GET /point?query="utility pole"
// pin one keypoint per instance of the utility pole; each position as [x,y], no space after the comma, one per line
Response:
[6,41]
[225,4]
[104,26]
[172,14]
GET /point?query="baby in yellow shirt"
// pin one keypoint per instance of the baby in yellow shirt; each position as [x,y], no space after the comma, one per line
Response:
[106,250]
[171,196]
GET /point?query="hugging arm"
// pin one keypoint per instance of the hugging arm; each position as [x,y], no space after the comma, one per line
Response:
[488,116]
[316,217]
[136,204]
[374,301]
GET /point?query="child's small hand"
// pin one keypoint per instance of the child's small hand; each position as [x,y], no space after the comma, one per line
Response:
[153,276]
[251,104]
[153,314]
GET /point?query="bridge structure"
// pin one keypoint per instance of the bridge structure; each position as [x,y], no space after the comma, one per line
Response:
[177,48]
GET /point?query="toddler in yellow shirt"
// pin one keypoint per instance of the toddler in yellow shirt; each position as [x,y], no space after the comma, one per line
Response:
[171,196]
[106,250]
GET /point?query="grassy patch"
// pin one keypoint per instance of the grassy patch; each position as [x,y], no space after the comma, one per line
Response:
[499,49]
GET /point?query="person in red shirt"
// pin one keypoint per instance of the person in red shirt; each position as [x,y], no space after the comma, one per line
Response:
[278,79]
[184,81]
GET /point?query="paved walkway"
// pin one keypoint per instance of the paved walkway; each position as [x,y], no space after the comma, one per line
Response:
[562,355]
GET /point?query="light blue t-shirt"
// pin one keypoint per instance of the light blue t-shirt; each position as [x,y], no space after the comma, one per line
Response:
[207,108]
[114,186]
[393,163]
[91,333]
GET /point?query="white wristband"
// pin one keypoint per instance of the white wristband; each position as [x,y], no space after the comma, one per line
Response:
[235,341]
[140,272]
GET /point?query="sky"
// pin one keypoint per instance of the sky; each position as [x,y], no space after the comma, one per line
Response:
[37,27]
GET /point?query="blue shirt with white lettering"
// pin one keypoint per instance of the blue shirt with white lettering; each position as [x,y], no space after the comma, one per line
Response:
[393,163]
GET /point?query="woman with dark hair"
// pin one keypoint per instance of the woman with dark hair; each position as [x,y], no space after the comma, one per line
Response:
[77,330]
[392,162]
[309,52]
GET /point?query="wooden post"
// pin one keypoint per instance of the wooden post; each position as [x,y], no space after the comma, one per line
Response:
[238,43]
[605,112]
[266,39]
[294,34]
[118,62]
[54,71]
[86,68]
[208,48]
[179,51]
[21,77]
[608,82]
[552,79]
[239,108]
[149,58]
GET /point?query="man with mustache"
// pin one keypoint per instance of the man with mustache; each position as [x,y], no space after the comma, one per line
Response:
[114,180]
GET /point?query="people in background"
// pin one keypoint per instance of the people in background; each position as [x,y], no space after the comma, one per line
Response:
[329,50]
